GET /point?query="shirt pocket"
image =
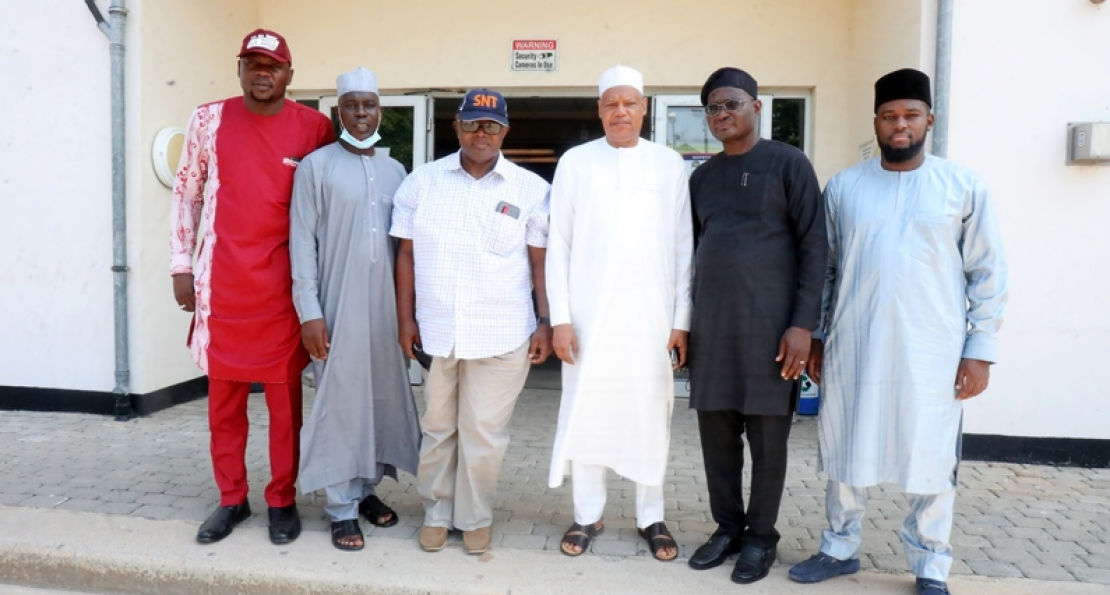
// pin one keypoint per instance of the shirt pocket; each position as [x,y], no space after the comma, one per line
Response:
[502,234]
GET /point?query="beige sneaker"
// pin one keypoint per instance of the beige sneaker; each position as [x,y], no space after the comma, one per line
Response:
[477,541]
[432,539]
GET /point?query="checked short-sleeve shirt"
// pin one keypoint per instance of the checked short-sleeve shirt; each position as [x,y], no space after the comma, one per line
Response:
[470,251]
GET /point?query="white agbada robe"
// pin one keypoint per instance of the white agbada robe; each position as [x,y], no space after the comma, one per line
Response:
[619,259]
[916,281]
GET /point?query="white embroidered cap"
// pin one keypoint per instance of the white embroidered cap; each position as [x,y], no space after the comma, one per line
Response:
[618,76]
[355,81]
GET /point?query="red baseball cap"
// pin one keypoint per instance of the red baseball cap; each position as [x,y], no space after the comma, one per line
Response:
[267,43]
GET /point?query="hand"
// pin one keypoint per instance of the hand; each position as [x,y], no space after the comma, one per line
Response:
[794,351]
[678,341]
[185,292]
[971,378]
[565,343]
[816,359]
[408,334]
[540,347]
[314,335]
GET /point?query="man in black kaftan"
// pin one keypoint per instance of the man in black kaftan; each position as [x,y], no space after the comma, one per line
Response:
[759,224]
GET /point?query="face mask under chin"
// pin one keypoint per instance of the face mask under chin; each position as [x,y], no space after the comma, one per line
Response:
[370,141]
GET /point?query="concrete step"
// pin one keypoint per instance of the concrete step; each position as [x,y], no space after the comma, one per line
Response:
[98,553]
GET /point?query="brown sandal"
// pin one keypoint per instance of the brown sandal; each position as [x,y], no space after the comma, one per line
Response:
[580,536]
[658,538]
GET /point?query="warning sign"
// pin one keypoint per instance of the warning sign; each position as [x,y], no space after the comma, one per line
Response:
[536,55]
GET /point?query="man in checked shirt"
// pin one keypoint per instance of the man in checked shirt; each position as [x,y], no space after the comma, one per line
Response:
[473,236]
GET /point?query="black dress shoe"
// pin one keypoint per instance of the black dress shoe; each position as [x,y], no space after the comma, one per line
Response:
[285,524]
[713,553]
[753,564]
[219,525]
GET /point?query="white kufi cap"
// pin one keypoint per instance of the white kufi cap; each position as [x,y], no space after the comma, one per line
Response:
[358,80]
[618,76]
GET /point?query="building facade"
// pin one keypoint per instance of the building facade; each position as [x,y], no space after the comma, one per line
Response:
[1021,72]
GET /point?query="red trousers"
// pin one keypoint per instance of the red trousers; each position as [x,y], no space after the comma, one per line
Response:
[227,420]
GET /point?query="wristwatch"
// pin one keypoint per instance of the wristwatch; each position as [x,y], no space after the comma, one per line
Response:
[543,320]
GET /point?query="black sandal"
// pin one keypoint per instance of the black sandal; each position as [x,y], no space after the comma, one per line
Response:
[580,536]
[658,537]
[344,529]
[373,509]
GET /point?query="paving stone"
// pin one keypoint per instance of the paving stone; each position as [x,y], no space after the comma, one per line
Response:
[1090,575]
[1092,560]
[995,569]
[158,467]
[1064,547]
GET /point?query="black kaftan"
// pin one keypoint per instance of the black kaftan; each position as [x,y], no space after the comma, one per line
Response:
[761,252]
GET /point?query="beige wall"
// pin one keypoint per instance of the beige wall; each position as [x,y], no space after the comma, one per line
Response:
[885,35]
[1012,99]
[186,56]
[425,44]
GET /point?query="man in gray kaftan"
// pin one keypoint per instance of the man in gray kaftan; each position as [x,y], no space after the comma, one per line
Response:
[363,423]
[914,297]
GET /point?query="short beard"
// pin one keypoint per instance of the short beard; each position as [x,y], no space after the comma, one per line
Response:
[901,155]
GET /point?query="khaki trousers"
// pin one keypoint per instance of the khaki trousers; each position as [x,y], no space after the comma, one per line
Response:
[469,403]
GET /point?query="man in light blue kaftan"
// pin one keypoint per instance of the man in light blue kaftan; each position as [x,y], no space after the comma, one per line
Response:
[914,297]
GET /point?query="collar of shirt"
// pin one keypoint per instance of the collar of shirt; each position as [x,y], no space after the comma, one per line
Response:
[500,168]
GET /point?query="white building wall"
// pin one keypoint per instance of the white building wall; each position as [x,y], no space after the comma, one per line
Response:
[1023,70]
[55,186]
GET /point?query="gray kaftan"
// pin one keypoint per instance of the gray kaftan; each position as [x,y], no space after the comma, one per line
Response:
[342,260]
[916,280]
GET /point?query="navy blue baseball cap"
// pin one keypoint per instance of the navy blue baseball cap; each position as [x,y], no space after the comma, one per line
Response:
[484,104]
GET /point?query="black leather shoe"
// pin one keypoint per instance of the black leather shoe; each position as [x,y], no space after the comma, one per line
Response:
[713,553]
[753,564]
[285,524]
[219,525]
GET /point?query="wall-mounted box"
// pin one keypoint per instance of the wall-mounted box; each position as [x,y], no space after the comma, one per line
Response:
[1089,143]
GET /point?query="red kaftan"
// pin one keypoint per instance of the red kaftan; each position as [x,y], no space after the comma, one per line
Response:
[236,175]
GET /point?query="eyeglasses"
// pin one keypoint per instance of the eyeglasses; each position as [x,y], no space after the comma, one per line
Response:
[731,105]
[489,126]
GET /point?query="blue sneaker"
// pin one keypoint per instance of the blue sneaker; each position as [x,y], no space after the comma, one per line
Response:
[823,566]
[928,586]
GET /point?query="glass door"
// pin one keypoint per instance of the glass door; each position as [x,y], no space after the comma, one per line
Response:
[406,127]
[681,125]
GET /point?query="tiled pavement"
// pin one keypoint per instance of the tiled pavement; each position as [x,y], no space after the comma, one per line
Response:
[1031,521]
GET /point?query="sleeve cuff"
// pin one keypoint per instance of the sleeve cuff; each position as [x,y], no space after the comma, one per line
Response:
[559,315]
[981,347]
[401,230]
[181,263]
[308,309]
[682,315]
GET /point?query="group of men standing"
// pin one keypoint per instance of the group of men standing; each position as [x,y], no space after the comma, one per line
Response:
[886,289]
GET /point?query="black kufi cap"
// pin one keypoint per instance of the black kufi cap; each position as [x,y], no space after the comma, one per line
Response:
[903,84]
[729,77]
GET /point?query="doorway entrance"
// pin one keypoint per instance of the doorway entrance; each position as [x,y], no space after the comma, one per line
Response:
[541,129]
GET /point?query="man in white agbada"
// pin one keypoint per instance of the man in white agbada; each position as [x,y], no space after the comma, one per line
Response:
[363,424]
[618,281]
[914,297]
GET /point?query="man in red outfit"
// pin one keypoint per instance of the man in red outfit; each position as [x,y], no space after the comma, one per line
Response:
[236,175]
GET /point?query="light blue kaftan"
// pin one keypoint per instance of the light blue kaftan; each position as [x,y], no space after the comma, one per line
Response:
[916,281]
